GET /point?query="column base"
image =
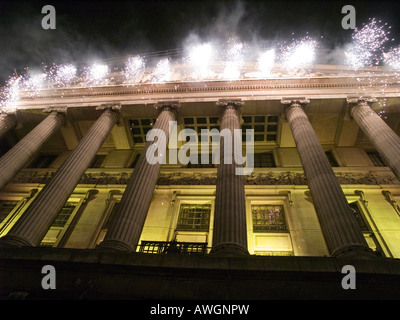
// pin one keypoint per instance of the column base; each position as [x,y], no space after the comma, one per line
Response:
[354,252]
[229,249]
[10,241]
[114,245]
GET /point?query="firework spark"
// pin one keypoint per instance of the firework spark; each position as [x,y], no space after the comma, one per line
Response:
[392,58]
[134,68]
[300,54]
[234,62]
[10,95]
[200,57]
[367,45]
[97,72]
[34,83]
[162,72]
[62,75]
[266,61]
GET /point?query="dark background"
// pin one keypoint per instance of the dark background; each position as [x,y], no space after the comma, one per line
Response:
[88,30]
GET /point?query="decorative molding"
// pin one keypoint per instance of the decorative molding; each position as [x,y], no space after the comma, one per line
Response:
[190,177]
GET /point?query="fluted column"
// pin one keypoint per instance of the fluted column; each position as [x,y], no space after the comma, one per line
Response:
[126,227]
[384,139]
[7,122]
[230,232]
[341,231]
[33,225]
[19,155]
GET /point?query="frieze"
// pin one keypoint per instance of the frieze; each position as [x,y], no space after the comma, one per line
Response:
[181,89]
[210,178]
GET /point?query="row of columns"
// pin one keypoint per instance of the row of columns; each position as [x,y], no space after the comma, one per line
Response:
[342,234]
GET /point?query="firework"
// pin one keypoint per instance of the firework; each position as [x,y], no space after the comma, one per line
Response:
[162,71]
[266,61]
[392,58]
[10,95]
[62,75]
[367,45]
[34,83]
[98,72]
[134,68]
[234,61]
[200,57]
[300,54]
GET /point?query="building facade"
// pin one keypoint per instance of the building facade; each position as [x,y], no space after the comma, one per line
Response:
[78,193]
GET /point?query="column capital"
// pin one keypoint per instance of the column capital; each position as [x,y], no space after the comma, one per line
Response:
[289,102]
[58,109]
[173,105]
[357,99]
[294,100]
[353,101]
[109,106]
[236,103]
[114,106]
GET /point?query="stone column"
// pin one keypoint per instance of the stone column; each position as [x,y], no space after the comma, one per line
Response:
[126,227]
[341,231]
[19,155]
[7,122]
[230,232]
[384,139]
[33,225]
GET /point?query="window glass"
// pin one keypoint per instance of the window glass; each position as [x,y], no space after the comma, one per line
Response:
[268,218]
[194,217]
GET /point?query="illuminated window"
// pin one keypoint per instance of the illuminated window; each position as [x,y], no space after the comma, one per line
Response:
[268,218]
[359,217]
[58,225]
[194,217]
[5,208]
[368,233]
[64,215]
[376,159]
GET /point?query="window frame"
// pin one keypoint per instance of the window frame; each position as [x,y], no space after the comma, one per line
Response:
[252,235]
[269,230]
[192,199]
[371,226]
[24,200]
[63,230]
[181,227]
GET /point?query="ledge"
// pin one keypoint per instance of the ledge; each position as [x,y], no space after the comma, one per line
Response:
[119,275]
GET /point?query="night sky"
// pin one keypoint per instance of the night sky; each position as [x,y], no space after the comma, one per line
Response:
[87,30]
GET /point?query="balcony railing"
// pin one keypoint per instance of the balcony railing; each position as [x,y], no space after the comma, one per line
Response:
[172,247]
